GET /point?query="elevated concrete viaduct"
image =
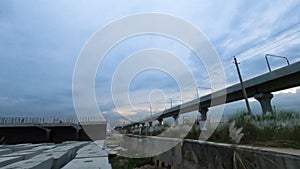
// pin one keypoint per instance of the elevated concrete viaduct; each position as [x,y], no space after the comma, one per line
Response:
[260,87]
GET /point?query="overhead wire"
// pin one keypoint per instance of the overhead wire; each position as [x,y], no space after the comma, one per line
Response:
[264,47]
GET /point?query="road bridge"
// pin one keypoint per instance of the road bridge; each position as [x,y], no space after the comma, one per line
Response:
[15,130]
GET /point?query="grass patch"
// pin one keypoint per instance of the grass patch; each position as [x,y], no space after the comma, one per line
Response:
[281,129]
[278,129]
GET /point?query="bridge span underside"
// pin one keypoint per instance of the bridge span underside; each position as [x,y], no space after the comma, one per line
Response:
[56,133]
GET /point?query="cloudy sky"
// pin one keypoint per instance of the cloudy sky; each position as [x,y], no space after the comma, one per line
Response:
[41,41]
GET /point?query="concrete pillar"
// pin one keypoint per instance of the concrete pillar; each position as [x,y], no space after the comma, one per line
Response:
[77,134]
[203,112]
[160,121]
[149,129]
[175,117]
[142,129]
[265,101]
[137,126]
[48,135]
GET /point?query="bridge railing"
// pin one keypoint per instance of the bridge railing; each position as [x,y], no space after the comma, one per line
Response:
[47,120]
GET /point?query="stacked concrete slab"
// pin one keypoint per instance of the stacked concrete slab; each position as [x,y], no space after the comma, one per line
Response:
[91,156]
[54,156]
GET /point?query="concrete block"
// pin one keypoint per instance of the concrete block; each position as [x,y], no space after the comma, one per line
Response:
[24,154]
[91,150]
[37,162]
[71,149]
[93,153]
[54,156]
[62,148]
[89,163]
[78,145]
[21,147]
[82,143]
[4,151]
[43,147]
[59,158]
[69,142]
[9,160]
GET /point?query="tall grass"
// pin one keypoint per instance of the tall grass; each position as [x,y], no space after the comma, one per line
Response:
[279,129]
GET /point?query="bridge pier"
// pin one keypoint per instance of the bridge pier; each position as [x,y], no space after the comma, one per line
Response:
[176,117]
[149,129]
[142,129]
[203,112]
[265,101]
[78,134]
[160,121]
[131,128]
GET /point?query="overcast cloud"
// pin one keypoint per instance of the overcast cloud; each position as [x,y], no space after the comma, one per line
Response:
[41,40]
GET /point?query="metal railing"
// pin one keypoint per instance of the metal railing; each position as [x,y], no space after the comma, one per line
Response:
[47,120]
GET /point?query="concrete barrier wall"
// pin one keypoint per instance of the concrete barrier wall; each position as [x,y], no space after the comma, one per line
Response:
[205,155]
[146,146]
[198,154]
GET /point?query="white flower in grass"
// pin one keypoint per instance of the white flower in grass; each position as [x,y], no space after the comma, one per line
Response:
[235,133]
